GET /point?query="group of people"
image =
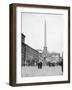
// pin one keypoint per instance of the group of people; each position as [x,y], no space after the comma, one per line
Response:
[40,65]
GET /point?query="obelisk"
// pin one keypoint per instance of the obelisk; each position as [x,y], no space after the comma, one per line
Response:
[45,36]
[45,52]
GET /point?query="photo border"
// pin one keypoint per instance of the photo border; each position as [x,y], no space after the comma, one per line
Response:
[12,62]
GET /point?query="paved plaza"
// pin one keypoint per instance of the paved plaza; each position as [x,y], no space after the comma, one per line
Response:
[31,71]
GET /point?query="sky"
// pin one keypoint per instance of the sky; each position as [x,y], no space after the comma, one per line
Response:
[33,26]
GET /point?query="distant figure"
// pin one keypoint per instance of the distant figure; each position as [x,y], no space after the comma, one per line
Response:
[62,62]
[40,65]
[62,65]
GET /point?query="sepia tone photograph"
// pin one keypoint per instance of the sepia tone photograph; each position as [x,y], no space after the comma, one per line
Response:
[42,44]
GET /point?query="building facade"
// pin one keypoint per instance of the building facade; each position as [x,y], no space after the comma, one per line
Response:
[29,56]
